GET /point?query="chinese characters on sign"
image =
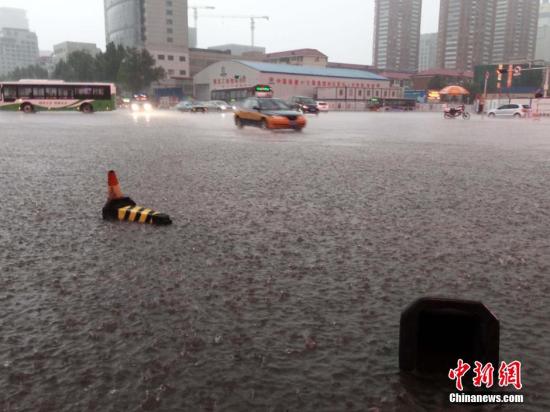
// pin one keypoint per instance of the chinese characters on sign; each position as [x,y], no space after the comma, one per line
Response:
[509,374]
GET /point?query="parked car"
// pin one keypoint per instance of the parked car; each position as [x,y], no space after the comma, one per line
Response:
[511,110]
[193,107]
[218,106]
[322,106]
[268,113]
[304,104]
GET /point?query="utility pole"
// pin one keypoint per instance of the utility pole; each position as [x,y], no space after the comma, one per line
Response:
[547,81]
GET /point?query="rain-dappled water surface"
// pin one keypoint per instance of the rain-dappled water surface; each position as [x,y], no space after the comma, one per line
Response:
[280,285]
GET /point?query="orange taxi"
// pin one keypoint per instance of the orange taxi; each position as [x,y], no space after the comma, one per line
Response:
[268,113]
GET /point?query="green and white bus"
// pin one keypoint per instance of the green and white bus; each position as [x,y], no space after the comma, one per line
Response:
[30,96]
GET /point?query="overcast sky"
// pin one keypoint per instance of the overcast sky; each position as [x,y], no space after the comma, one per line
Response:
[342,29]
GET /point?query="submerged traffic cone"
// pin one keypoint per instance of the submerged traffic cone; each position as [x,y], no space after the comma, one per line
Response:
[119,207]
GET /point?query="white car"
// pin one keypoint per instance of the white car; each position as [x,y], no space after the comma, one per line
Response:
[322,106]
[512,110]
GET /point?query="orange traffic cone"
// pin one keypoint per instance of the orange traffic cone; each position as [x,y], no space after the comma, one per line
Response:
[123,208]
[114,191]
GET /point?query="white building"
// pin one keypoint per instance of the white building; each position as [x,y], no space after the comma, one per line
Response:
[239,49]
[233,80]
[300,57]
[543,34]
[160,26]
[61,51]
[13,18]
[18,48]
[427,58]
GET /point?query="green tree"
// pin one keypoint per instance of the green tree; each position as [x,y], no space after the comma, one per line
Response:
[137,70]
[108,63]
[80,67]
[29,72]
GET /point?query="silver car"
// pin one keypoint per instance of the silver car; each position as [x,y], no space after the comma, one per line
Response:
[512,110]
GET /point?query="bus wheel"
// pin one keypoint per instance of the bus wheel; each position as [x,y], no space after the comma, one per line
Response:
[27,108]
[86,108]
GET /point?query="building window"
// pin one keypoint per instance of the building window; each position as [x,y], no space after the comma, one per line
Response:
[169,3]
[169,30]
[183,72]
[170,58]
[169,12]
[169,21]
[161,56]
[170,72]
[182,58]
[170,40]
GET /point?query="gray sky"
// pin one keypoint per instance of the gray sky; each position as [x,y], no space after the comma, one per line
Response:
[342,29]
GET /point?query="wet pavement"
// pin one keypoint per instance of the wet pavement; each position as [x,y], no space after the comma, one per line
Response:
[280,285]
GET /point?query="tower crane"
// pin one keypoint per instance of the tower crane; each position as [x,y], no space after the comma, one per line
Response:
[196,15]
[252,22]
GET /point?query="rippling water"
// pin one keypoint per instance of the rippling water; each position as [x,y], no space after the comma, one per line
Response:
[281,283]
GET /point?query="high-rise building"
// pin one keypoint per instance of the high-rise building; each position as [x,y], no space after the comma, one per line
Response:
[543,33]
[13,18]
[515,34]
[397,34]
[18,48]
[192,36]
[474,32]
[427,57]
[160,26]
[62,50]
[465,36]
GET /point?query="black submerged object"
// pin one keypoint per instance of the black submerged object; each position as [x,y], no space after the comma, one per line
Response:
[435,332]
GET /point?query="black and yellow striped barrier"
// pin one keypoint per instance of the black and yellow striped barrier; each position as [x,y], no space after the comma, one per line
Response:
[125,209]
[142,215]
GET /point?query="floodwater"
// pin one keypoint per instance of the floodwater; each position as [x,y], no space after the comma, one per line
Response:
[292,255]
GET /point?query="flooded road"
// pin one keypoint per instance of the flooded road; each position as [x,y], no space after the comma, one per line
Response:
[280,285]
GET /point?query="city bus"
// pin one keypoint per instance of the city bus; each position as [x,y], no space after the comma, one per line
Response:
[230,95]
[378,103]
[31,96]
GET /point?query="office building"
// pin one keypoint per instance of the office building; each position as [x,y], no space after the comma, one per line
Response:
[18,48]
[61,51]
[466,32]
[13,18]
[427,58]
[192,36]
[397,34]
[543,33]
[300,57]
[479,32]
[515,33]
[160,26]
[240,49]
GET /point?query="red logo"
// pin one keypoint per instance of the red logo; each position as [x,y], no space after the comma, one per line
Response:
[509,374]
